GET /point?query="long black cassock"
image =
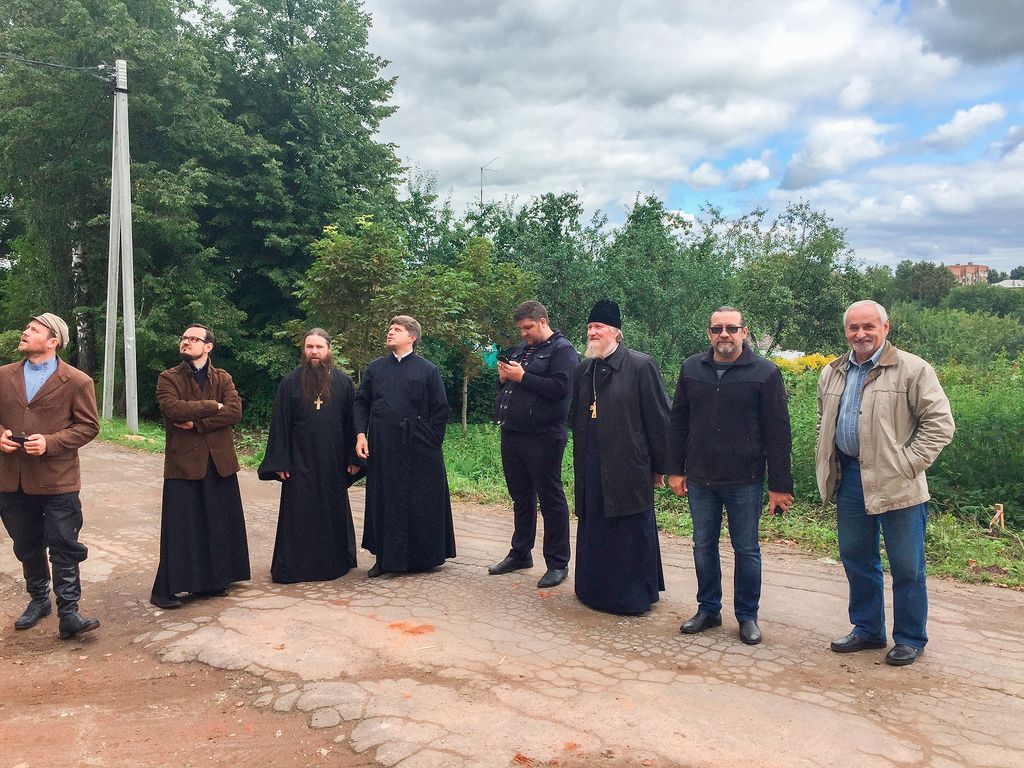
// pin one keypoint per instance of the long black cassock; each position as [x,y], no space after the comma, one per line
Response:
[315,537]
[402,408]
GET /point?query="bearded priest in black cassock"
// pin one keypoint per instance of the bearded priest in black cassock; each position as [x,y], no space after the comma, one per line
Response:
[400,416]
[309,451]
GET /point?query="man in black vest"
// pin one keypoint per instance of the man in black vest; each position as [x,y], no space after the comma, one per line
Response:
[535,385]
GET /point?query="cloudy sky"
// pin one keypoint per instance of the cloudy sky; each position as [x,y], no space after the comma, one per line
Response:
[904,121]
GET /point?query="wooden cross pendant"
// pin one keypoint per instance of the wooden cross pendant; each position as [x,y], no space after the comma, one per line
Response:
[593,410]
[318,402]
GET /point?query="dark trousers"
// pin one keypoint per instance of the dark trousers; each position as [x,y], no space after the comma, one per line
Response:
[46,522]
[533,470]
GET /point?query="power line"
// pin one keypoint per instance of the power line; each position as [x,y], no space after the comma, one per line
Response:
[95,71]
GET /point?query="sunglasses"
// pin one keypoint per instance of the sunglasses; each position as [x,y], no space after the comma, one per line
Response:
[732,329]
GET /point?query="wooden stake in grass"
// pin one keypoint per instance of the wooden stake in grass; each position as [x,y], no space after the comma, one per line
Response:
[997,519]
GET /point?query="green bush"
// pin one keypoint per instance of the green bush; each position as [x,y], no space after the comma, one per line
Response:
[952,335]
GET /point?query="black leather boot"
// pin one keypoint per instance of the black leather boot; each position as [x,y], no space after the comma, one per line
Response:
[68,588]
[34,612]
[37,584]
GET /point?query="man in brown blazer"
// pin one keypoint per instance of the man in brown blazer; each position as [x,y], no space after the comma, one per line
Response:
[47,412]
[203,546]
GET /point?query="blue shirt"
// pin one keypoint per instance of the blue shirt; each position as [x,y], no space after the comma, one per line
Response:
[848,422]
[37,374]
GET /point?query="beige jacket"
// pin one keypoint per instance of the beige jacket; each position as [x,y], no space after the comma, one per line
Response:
[905,422]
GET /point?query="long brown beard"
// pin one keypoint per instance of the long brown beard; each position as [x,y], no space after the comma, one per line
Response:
[315,378]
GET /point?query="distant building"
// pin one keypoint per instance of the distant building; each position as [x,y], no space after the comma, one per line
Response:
[969,273]
[1011,283]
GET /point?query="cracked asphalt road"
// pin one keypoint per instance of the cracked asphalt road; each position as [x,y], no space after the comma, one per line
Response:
[458,668]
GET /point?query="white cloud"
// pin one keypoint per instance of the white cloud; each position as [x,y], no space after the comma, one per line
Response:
[615,97]
[856,94]
[750,171]
[832,147]
[965,125]
[705,176]
[611,98]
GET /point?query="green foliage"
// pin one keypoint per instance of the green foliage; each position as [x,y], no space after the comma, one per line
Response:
[803,416]
[795,278]
[652,266]
[9,341]
[924,282]
[989,299]
[352,286]
[939,335]
[985,462]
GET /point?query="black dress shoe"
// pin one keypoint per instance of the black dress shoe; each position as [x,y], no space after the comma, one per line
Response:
[74,623]
[852,643]
[375,571]
[749,633]
[901,655]
[553,578]
[508,565]
[701,621]
[165,601]
[210,593]
[34,611]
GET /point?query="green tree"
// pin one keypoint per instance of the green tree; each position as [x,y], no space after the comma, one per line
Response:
[1017,273]
[1003,302]
[55,135]
[666,278]
[300,81]
[925,282]
[995,276]
[796,278]
[548,238]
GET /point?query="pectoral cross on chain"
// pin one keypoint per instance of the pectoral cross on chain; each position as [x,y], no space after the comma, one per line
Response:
[318,402]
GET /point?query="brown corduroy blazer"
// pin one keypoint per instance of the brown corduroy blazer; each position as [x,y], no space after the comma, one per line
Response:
[64,412]
[187,451]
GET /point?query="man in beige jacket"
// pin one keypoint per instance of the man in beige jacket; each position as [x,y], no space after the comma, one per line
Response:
[883,419]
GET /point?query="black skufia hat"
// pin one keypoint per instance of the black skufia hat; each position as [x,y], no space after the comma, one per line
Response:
[605,311]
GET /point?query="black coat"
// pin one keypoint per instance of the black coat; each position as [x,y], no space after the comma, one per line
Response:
[540,402]
[315,539]
[723,432]
[403,410]
[632,429]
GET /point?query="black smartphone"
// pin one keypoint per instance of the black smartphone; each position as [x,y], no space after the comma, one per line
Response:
[503,358]
[18,439]
[778,511]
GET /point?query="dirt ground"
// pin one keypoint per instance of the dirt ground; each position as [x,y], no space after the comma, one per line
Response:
[462,669]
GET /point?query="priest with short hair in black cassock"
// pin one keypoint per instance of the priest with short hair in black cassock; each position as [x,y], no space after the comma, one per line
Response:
[401,412]
[203,546]
[309,450]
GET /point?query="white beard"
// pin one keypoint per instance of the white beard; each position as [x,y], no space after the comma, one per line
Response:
[599,349]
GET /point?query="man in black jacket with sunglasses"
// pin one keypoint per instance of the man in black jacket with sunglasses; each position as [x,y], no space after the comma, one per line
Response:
[729,420]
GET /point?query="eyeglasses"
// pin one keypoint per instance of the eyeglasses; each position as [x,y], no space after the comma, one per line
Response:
[193,339]
[732,329]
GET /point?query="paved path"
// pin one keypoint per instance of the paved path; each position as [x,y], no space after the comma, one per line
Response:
[460,668]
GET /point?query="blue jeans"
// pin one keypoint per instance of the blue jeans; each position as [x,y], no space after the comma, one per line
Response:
[903,530]
[743,505]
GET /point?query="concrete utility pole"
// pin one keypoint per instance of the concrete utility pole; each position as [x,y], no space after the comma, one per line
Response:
[121,253]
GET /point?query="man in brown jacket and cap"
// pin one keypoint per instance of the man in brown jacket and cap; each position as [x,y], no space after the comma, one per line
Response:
[47,412]
[203,547]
